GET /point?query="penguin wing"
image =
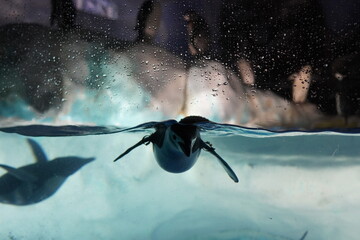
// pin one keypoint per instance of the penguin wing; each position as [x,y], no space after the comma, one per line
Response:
[38,151]
[19,174]
[156,138]
[224,164]
[146,140]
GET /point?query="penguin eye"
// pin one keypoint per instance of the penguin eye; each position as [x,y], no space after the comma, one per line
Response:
[174,137]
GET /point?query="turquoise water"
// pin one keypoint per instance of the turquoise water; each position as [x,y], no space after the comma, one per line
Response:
[289,183]
[292,184]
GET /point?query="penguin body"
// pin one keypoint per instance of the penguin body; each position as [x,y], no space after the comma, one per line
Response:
[177,145]
[36,182]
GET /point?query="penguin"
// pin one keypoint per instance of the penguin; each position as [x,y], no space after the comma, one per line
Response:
[177,145]
[36,182]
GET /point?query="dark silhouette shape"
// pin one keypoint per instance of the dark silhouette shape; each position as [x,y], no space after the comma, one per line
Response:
[36,182]
[148,21]
[346,71]
[279,43]
[177,145]
[198,33]
[64,13]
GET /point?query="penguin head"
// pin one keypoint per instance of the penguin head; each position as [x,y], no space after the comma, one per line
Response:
[184,138]
[180,148]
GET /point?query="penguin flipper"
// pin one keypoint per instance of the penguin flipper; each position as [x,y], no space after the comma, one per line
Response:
[19,174]
[38,151]
[224,164]
[145,140]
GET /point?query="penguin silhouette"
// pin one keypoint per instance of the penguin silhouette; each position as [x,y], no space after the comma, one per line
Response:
[36,182]
[177,145]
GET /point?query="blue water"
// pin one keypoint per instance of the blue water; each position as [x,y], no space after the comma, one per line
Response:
[291,182]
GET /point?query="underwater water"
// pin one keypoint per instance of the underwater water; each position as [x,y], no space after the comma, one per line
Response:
[292,185]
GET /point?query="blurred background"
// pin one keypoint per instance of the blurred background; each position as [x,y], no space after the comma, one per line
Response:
[302,51]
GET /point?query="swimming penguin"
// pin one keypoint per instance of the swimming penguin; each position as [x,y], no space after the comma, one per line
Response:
[35,182]
[177,145]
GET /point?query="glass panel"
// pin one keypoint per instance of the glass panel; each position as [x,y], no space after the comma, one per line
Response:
[251,110]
